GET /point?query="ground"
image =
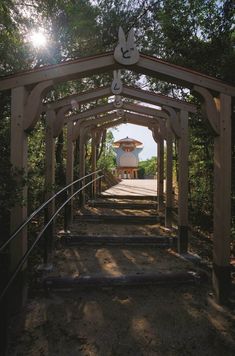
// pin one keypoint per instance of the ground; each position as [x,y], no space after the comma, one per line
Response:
[125,321]
[118,321]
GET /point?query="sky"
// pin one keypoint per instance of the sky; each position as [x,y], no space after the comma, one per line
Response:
[139,133]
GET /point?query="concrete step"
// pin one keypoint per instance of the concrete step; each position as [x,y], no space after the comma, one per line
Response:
[158,241]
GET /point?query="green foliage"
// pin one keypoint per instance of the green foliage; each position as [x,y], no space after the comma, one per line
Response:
[200,174]
[36,166]
[107,158]
[148,167]
[196,34]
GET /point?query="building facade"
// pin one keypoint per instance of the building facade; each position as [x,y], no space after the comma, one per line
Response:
[127,151]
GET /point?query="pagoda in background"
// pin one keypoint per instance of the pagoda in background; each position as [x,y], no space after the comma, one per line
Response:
[127,151]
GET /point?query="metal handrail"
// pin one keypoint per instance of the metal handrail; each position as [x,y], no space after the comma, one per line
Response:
[12,237]
[27,253]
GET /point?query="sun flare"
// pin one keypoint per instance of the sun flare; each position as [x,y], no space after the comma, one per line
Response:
[38,39]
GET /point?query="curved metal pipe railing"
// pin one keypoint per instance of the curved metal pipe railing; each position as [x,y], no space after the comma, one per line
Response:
[27,253]
[13,236]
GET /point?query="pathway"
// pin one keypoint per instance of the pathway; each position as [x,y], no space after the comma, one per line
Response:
[117,318]
[135,187]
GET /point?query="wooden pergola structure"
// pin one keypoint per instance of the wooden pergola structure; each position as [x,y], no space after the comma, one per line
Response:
[29,88]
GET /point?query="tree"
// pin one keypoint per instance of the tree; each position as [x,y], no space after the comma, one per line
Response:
[107,157]
[148,167]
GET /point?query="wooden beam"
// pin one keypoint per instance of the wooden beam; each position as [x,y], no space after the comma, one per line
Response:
[149,97]
[174,120]
[110,107]
[112,123]
[157,99]
[49,180]
[82,163]
[143,120]
[100,109]
[50,155]
[69,168]
[180,75]
[160,172]
[222,203]
[93,161]
[149,120]
[145,110]
[90,121]
[69,70]
[169,171]
[128,117]
[209,109]
[59,120]
[183,185]
[81,98]
[162,127]
[126,120]
[34,104]
[19,159]
[87,66]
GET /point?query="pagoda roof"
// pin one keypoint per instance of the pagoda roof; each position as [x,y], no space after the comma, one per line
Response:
[127,140]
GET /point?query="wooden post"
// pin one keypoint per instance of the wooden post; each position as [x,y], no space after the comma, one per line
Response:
[50,179]
[19,155]
[169,168]
[183,184]
[160,172]
[82,163]
[69,167]
[93,162]
[222,202]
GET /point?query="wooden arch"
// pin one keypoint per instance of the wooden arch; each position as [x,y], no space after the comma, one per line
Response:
[27,89]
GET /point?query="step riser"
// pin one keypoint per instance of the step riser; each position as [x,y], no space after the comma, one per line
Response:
[120,219]
[131,197]
[135,244]
[124,206]
[160,242]
[168,279]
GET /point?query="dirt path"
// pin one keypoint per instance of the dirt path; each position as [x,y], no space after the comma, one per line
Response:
[119,321]
[125,321]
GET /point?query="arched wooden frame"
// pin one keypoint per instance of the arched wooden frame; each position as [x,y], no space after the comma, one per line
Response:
[160,133]
[216,95]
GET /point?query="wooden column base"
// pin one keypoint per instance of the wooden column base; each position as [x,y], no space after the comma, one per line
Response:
[18,292]
[168,217]
[221,278]
[160,202]
[4,307]
[182,239]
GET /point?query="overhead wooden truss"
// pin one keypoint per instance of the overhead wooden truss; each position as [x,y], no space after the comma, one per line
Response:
[28,89]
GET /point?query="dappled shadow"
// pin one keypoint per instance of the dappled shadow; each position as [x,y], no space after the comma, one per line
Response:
[124,321]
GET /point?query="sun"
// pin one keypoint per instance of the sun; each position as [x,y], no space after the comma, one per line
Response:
[38,38]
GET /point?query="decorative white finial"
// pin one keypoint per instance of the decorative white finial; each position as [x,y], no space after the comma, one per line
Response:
[116,86]
[126,51]
[118,102]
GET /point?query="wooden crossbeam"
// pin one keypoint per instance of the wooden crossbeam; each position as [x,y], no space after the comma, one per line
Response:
[83,67]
